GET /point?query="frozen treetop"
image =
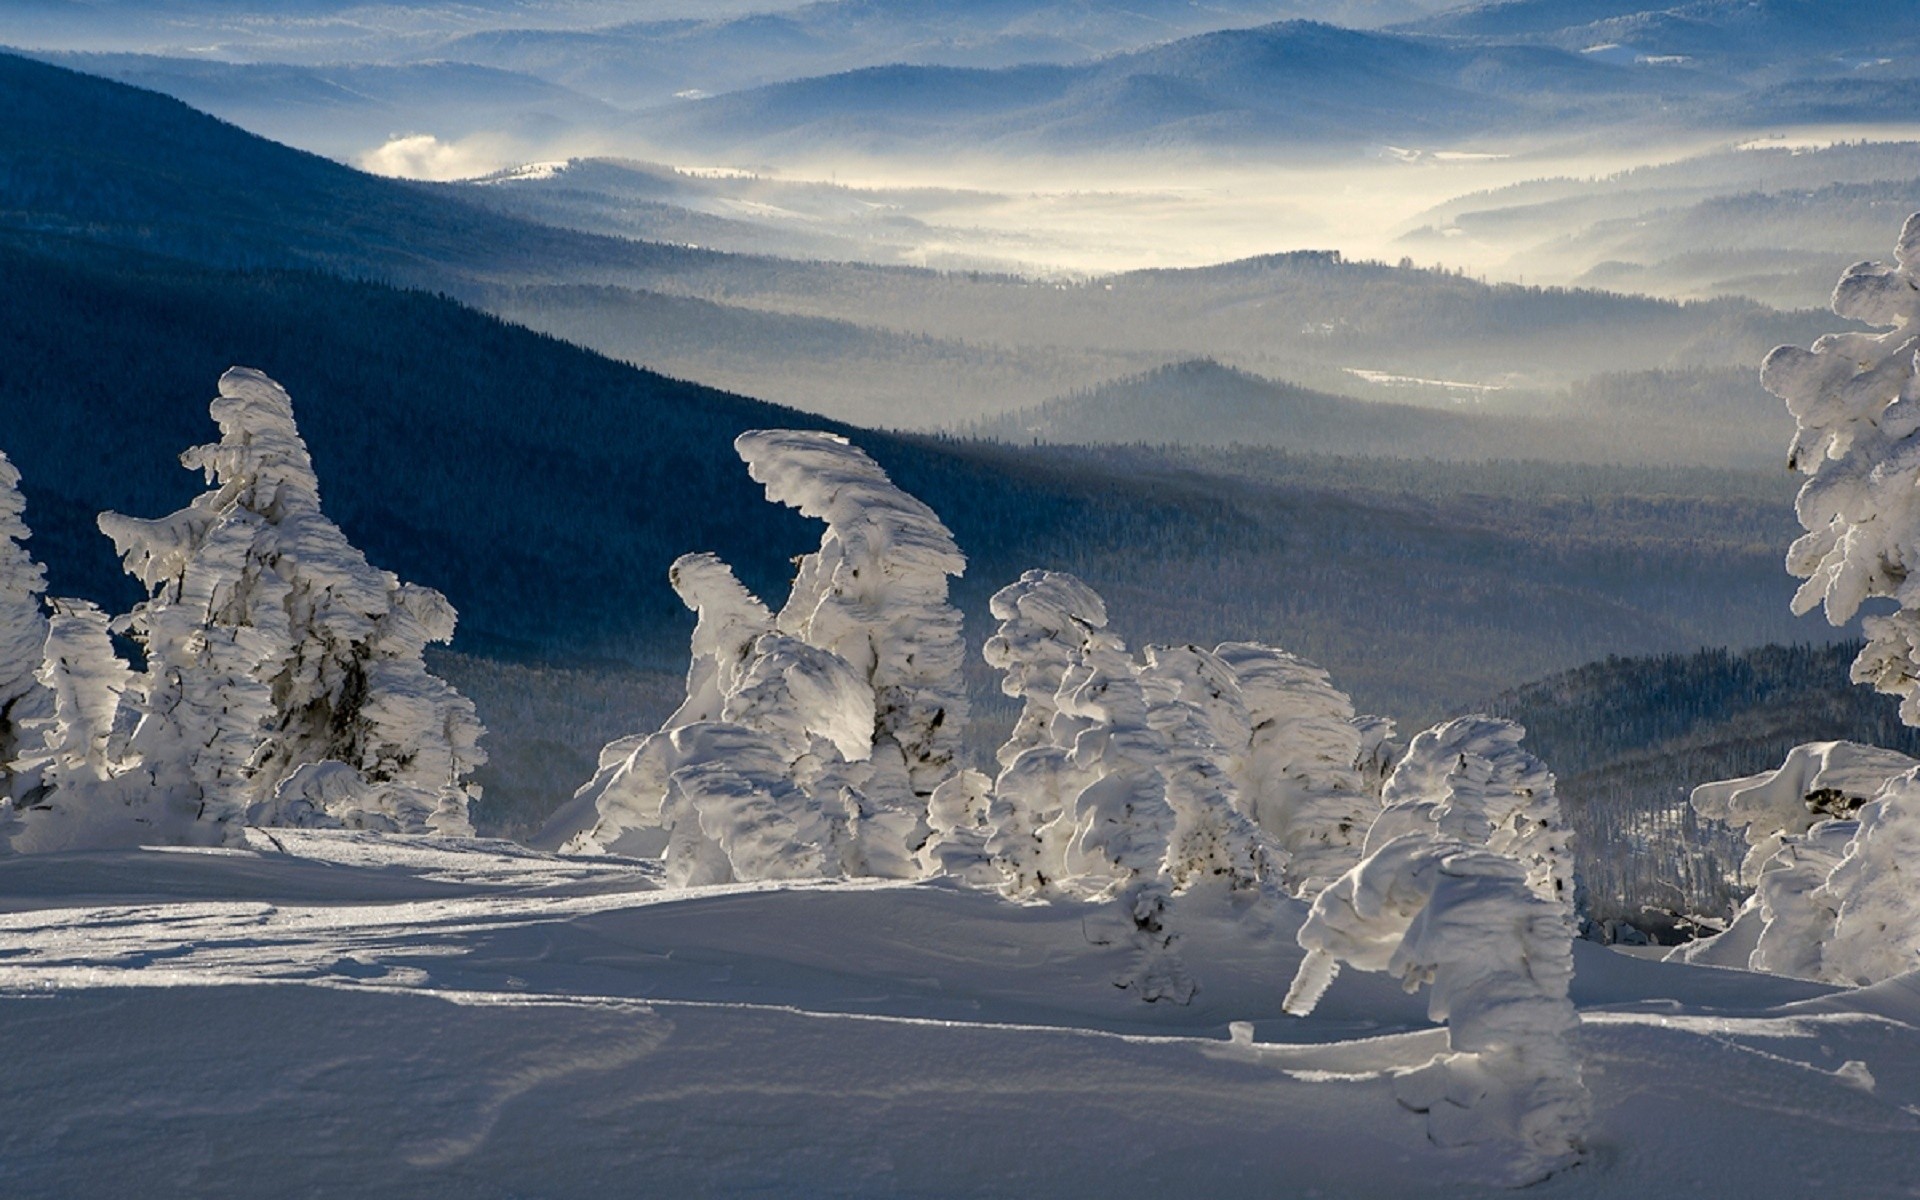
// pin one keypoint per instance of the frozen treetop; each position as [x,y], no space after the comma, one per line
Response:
[875,593]
[1819,779]
[729,620]
[1468,781]
[1857,404]
[830,479]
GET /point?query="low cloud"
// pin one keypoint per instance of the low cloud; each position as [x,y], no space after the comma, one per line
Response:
[424,156]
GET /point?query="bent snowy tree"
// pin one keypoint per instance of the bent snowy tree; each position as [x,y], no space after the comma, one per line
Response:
[848,705]
[1497,955]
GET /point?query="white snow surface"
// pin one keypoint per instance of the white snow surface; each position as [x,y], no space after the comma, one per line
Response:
[349,1013]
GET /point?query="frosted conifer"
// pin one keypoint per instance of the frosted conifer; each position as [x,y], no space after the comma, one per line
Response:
[272,645]
[23,625]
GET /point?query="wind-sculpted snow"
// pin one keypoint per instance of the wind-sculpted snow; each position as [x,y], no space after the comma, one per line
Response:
[1834,832]
[1498,957]
[1299,776]
[1857,403]
[1819,779]
[855,691]
[1467,781]
[875,593]
[271,646]
[23,626]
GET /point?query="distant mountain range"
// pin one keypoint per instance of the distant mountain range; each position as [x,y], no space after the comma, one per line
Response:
[545,488]
[913,77]
[1295,83]
[1518,72]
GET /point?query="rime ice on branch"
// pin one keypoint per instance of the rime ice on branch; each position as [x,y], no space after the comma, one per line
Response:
[272,645]
[1857,404]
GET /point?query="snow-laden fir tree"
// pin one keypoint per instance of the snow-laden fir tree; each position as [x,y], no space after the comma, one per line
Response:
[1122,823]
[1047,621]
[23,626]
[874,593]
[272,645]
[1194,702]
[79,795]
[854,688]
[1050,622]
[1855,398]
[1831,900]
[1497,956]
[1818,781]
[1873,892]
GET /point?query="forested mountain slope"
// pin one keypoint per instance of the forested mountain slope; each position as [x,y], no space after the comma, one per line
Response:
[1629,738]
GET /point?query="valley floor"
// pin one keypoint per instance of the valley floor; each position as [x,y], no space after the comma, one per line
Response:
[351,1015]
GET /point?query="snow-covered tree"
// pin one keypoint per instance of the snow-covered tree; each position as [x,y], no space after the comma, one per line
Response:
[1818,781]
[271,645]
[618,810]
[1857,404]
[1498,957]
[1832,831]
[875,594]
[1467,781]
[78,798]
[1833,897]
[1194,702]
[855,688]
[1874,891]
[1299,776]
[23,625]
[1047,621]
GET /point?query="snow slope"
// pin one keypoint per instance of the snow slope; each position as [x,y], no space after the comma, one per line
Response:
[365,1015]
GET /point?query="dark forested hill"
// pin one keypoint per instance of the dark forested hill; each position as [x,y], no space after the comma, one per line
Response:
[1629,738]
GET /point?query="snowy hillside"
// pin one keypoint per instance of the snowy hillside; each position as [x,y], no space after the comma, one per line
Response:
[351,1014]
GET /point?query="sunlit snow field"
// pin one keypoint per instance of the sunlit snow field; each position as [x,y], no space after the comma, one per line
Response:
[327,1013]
